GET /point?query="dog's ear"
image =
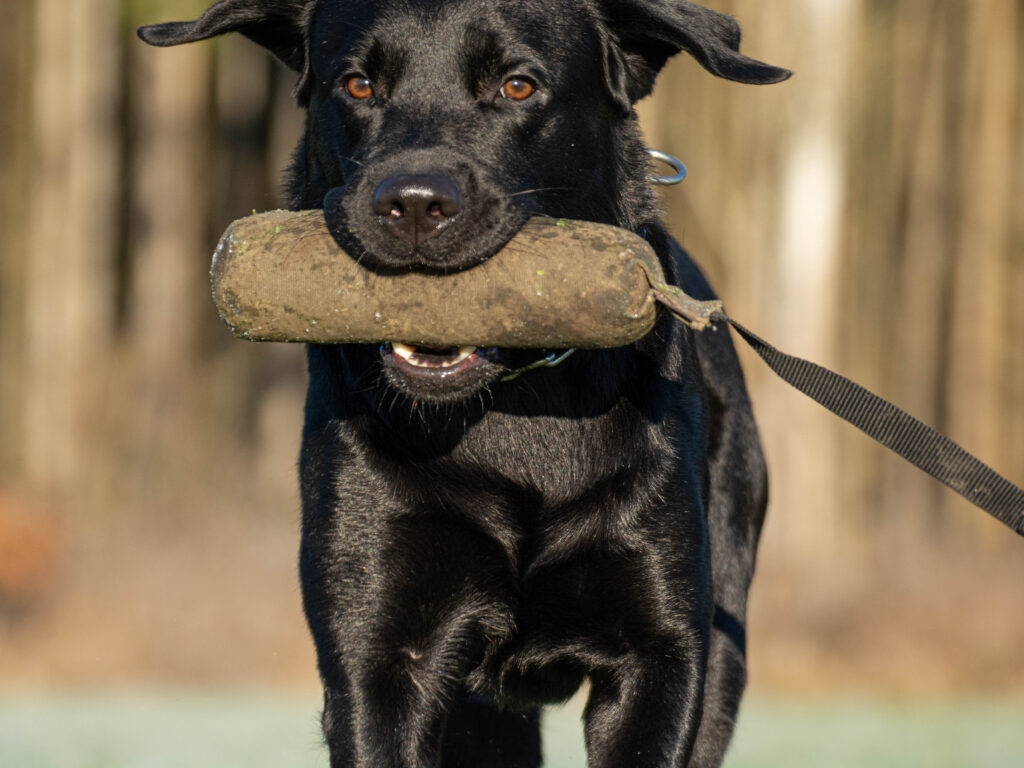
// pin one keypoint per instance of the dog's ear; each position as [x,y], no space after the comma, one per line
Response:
[648,32]
[277,25]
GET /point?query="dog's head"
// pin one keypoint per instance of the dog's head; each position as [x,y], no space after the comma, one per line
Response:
[437,127]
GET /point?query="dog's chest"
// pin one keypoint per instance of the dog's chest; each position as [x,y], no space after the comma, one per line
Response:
[533,535]
[561,457]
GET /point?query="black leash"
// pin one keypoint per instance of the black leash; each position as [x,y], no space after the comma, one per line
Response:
[897,430]
[893,427]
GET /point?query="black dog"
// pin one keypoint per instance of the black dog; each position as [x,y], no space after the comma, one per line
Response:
[474,547]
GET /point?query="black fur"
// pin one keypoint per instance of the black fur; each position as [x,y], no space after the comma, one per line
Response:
[473,548]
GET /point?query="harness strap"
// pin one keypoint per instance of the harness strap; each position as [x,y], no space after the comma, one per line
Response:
[893,427]
[550,361]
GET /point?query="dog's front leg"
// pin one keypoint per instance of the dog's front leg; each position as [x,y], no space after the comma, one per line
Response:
[384,715]
[645,713]
[646,698]
[402,607]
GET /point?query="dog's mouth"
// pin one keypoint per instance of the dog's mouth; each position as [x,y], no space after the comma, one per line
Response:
[439,374]
[452,374]
[435,362]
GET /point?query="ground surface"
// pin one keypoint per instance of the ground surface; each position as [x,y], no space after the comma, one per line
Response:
[257,730]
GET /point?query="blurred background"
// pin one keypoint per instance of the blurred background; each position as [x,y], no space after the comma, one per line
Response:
[866,214]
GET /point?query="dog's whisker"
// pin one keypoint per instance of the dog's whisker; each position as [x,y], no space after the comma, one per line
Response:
[541,189]
[352,24]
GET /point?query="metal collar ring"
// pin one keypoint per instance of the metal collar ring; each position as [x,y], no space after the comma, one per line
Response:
[665,157]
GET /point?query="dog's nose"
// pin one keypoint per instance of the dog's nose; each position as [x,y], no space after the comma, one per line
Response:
[416,207]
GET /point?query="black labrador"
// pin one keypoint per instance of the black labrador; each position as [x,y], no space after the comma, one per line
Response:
[474,547]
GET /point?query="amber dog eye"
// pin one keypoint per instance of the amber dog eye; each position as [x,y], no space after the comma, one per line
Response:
[517,89]
[359,87]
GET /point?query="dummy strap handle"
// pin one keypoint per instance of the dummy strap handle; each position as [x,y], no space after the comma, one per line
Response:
[893,427]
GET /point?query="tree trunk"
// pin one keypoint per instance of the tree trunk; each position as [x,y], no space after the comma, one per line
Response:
[73,225]
[15,130]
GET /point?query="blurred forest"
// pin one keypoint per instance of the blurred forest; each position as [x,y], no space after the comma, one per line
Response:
[866,214]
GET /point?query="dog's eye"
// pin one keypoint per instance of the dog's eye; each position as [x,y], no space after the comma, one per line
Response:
[359,87]
[517,89]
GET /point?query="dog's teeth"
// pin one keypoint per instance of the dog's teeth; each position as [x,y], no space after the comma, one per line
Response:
[464,352]
[404,351]
[413,356]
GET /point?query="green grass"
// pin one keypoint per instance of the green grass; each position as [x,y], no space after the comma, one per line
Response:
[158,730]
[859,733]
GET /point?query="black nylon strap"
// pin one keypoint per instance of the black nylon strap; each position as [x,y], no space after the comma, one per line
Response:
[897,430]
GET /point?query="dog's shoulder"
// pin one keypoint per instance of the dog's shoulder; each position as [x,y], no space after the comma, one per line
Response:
[692,279]
[719,362]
